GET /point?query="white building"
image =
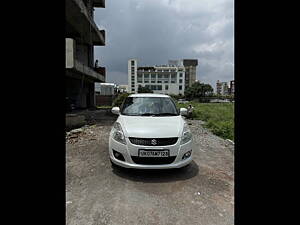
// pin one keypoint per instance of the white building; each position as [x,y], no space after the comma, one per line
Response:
[165,79]
[132,76]
[105,88]
[122,88]
[222,88]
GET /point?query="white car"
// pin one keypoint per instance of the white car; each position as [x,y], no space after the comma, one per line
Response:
[150,133]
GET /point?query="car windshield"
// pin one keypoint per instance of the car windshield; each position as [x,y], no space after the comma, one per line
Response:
[149,106]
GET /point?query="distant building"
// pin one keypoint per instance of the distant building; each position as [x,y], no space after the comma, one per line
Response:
[222,88]
[190,66]
[122,88]
[132,76]
[218,87]
[231,88]
[165,79]
[104,93]
[105,88]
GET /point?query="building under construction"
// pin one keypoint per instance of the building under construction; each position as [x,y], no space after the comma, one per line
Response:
[190,71]
[82,34]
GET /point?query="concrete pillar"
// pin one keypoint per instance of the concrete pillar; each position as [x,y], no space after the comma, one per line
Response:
[82,100]
[82,94]
[92,94]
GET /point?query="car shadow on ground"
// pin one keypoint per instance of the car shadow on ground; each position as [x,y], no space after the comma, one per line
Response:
[158,176]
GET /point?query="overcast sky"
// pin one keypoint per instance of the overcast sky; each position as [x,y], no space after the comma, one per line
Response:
[154,31]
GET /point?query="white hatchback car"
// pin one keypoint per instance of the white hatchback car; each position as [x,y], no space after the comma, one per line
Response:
[150,133]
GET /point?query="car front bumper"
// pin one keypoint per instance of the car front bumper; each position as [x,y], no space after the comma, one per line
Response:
[129,150]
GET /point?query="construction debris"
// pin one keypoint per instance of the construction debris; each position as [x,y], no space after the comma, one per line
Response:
[83,133]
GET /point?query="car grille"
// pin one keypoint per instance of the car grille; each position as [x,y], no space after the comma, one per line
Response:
[150,142]
[153,160]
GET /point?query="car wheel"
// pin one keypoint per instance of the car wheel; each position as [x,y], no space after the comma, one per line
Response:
[114,166]
[185,167]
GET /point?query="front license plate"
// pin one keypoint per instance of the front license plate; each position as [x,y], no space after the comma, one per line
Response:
[153,153]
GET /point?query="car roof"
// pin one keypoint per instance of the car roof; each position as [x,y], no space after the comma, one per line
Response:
[149,95]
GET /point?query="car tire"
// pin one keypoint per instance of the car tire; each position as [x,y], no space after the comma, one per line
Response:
[114,166]
[185,167]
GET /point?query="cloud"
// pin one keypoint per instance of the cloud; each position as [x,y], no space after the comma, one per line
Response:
[154,31]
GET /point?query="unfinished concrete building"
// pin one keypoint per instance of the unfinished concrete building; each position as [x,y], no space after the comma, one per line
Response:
[190,71]
[82,34]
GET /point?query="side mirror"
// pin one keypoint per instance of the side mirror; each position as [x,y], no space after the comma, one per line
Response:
[115,110]
[183,111]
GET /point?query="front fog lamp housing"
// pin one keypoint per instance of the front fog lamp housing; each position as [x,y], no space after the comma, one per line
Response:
[118,155]
[118,133]
[186,135]
[187,155]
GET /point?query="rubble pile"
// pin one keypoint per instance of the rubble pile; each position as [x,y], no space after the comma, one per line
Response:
[83,133]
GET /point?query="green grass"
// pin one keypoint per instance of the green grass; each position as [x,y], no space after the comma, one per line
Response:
[219,117]
[104,107]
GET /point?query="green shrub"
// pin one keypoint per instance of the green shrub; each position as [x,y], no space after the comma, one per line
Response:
[176,97]
[223,129]
[119,100]
[104,107]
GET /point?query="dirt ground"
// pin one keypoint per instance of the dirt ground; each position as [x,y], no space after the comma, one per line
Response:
[97,194]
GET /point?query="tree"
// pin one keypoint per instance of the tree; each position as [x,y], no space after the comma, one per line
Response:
[144,90]
[198,90]
[206,90]
[119,100]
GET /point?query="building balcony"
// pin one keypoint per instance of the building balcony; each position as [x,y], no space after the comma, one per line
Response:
[80,24]
[96,75]
[101,70]
[77,68]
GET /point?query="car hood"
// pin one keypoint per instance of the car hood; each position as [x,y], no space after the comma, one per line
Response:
[151,127]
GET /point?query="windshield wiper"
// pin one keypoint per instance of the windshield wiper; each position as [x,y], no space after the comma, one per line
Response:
[133,114]
[159,114]
[167,114]
[149,114]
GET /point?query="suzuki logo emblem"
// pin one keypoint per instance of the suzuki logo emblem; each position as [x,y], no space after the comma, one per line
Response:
[153,142]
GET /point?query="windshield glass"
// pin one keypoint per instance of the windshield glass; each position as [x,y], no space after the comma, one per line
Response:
[149,106]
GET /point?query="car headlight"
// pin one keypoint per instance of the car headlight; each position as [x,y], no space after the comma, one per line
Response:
[186,134]
[118,133]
